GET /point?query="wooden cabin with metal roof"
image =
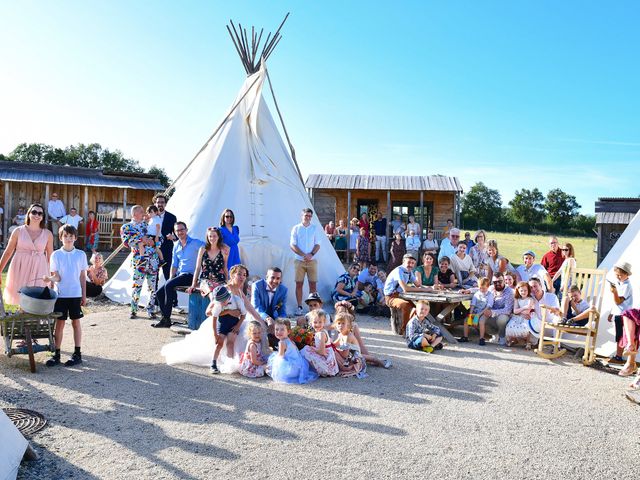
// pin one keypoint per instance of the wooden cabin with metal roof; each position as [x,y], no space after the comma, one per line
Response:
[22,184]
[612,217]
[431,199]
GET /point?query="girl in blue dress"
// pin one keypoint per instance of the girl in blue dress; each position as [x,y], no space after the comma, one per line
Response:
[230,236]
[287,365]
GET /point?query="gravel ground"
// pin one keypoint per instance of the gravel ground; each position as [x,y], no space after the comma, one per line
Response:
[467,411]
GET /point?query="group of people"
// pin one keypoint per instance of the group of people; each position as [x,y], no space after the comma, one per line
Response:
[33,262]
[247,332]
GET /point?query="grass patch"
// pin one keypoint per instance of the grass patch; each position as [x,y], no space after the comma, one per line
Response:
[512,245]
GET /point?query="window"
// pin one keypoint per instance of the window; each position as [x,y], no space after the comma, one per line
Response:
[407,209]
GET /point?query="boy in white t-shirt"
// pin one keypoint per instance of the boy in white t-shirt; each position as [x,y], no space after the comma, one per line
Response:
[622,299]
[69,273]
[225,325]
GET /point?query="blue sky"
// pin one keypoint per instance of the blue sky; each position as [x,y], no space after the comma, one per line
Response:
[515,94]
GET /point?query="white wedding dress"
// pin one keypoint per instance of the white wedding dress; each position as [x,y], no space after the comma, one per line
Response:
[197,348]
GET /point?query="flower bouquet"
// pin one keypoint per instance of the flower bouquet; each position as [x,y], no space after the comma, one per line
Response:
[302,336]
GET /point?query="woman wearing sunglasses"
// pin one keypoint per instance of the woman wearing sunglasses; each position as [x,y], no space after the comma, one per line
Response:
[32,244]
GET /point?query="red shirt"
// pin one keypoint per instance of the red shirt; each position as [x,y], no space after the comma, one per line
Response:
[552,261]
[329,230]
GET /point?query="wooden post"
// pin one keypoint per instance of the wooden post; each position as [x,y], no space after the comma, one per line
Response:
[421,214]
[7,212]
[85,206]
[124,205]
[389,239]
[45,204]
[348,223]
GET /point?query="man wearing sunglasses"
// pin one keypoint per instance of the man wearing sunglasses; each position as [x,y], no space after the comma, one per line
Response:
[449,246]
[55,209]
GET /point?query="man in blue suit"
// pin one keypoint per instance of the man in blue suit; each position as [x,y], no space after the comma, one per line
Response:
[269,298]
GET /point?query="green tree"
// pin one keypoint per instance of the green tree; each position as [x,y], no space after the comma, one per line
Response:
[481,205]
[560,206]
[527,206]
[160,174]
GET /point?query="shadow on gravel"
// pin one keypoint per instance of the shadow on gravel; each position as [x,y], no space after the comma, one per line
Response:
[148,408]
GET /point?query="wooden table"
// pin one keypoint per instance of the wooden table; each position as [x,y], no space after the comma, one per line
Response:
[450,300]
[27,327]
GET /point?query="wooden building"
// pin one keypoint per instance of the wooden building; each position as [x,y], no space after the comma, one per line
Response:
[22,184]
[430,199]
[612,217]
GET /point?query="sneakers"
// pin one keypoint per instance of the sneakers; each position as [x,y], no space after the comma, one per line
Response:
[133,315]
[463,339]
[616,360]
[439,346]
[76,359]
[428,349]
[151,314]
[482,342]
[299,311]
[502,341]
[214,368]
[387,364]
[53,361]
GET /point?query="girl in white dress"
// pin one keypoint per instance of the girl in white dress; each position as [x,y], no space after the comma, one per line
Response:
[321,356]
[523,309]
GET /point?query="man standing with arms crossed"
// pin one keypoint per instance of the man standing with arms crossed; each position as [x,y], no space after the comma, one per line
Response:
[305,243]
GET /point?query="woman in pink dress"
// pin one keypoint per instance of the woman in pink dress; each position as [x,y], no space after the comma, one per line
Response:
[32,244]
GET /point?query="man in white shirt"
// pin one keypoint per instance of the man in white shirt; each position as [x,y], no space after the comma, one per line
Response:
[528,270]
[449,246]
[72,219]
[305,243]
[55,209]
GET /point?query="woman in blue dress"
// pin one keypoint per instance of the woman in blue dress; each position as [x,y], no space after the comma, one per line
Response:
[230,236]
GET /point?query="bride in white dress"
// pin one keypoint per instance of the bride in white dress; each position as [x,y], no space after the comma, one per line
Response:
[197,348]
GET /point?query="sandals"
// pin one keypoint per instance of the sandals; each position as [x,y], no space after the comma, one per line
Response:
[627,371]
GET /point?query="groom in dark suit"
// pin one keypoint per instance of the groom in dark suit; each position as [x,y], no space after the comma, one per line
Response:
[168,222]
[269,298]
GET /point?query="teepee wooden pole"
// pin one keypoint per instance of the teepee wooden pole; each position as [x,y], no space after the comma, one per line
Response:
[286,134]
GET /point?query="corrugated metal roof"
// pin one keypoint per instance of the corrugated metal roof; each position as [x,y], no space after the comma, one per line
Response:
[38,173]
[438,183]
[617,218]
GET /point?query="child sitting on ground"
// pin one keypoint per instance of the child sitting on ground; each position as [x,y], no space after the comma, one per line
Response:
[481,300]
[420,332]
[225,325]
[154,225]
[579,310]
[350,360]
[445,278]
[622,299]
[287,365]
[97,275]
[69,273]
[252,361]
[366,299]
[321,356]
[348,308]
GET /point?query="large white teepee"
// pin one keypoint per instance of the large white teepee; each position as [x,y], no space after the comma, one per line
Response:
[626,249]
[247,168]
[12,450]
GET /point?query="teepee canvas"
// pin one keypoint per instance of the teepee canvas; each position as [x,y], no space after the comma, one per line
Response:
[245,167]
[626,249]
